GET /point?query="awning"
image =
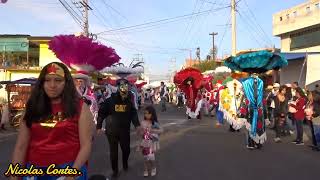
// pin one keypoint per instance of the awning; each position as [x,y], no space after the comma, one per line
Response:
[297,56]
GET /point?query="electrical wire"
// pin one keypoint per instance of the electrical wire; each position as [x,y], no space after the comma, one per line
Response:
[109,6]
[254,17]
[124,44]
[164,20]
[79,22]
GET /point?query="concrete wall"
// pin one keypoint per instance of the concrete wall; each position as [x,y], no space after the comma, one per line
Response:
[300,20]
[291,73]
[310,73]
[313,71]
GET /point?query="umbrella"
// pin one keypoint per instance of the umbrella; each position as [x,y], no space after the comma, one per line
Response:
[256,62]
[21,81]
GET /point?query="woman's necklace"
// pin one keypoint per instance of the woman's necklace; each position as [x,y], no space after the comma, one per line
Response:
[52,120]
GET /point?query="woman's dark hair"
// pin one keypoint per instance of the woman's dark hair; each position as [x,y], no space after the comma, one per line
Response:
[300,91]
[38,106]
[153,113]
[282,88]
[289,93]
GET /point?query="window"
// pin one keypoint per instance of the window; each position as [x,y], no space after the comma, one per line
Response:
[317,5]
[288,16]
[295,14]
[308,9]
[305,39]
[280,18]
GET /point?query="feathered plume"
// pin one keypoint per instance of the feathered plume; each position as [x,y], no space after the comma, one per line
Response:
[182,76]
[122,70]
[81,53]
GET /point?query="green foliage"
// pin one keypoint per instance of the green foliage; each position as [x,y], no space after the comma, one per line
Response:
[205,65]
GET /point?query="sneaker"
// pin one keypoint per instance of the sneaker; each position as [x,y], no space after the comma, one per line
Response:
[145,173]
[250,147]
[115,175]
[153,172]
[125,167]
[277,139]
[294,142]
[300,143]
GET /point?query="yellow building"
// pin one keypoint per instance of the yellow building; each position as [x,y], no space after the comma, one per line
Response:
[299,31]
[23,56]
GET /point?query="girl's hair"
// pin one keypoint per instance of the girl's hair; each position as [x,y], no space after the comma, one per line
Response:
[38,106]
[153,113]
[310,96]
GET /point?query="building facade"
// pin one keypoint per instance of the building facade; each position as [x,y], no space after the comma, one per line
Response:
[23,56]
[299,30]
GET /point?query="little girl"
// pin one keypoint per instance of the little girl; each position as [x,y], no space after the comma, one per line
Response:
[150,140]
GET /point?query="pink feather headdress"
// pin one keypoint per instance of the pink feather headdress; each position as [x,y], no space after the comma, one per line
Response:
[82,54]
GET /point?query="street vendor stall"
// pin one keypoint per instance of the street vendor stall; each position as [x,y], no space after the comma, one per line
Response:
[18,93]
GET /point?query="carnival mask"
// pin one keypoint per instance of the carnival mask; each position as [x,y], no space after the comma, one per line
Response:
[123,88]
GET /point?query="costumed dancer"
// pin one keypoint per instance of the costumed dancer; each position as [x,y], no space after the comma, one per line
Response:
[56,128]
[123,112]
[189,81]
[85,56]
[231,98]
[219,112]
[253,109]
[83,85]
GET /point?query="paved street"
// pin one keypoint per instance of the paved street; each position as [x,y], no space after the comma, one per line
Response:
[196,149]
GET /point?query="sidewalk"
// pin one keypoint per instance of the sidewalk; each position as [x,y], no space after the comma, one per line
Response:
[202,152]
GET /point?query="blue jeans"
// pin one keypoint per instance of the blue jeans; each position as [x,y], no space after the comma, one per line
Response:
[219,115]
[289,124]
[163,104]
[299,125]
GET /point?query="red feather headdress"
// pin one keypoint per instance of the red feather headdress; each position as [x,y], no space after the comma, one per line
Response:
[81,53]
[182,76]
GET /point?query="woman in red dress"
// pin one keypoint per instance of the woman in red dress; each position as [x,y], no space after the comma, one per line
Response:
[57,127]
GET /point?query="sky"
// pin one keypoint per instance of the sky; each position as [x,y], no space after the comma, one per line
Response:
[160,44]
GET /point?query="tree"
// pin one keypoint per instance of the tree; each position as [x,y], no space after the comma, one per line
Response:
[205,65]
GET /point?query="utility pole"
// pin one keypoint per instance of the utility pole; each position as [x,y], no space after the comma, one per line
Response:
[86,8]
[86,19]
[213,49]
[233,16]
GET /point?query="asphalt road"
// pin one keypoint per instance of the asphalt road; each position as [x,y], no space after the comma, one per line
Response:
[197,150]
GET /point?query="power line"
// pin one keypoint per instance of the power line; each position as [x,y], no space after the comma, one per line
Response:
[109,6]
[250,31]
[79,22]
[254,17]
[188,28]
[224,33]
[105,20]
[164,20]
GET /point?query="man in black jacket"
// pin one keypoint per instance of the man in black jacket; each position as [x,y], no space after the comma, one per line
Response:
[122,111]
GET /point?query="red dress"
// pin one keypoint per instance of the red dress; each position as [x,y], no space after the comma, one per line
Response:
[59,144]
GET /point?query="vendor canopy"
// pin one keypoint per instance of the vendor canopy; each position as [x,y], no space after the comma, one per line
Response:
[21,81]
